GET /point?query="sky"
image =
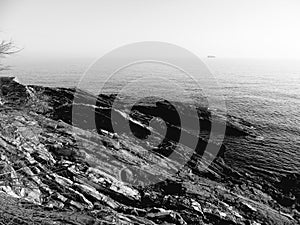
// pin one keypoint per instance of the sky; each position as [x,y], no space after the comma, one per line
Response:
[91,28]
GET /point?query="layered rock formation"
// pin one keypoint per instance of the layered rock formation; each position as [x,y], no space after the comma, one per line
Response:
[60,165]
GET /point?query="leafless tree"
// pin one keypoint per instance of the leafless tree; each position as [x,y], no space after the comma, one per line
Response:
[6,48]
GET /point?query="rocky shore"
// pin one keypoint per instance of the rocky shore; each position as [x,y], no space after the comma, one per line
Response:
[64,166]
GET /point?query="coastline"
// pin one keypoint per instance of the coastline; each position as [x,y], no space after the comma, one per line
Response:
[69,168]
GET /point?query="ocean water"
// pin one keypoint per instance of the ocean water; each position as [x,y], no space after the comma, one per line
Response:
[265,93]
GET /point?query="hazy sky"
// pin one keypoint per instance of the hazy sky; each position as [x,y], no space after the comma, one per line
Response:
[90,28]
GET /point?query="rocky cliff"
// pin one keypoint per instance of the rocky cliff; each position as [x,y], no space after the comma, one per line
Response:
[61,166]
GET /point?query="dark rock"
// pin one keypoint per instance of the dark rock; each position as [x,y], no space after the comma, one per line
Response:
[61,162]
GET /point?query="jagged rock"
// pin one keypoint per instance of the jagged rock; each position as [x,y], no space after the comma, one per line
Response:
[196,206]
[169,216]
[51,161]
[249,207]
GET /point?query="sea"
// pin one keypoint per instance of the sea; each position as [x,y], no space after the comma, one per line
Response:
[263,92]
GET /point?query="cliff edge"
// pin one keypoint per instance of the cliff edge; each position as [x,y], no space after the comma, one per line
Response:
[55,168]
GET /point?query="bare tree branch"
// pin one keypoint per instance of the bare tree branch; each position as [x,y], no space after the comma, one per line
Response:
[6,48]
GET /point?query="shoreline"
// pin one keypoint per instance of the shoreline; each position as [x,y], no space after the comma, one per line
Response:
[38,137]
